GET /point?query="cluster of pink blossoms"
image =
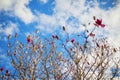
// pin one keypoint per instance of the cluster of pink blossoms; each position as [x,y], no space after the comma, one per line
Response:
[2,69]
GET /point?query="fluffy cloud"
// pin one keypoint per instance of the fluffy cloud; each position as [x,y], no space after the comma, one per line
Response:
[23,12]
[19,9]
[112,20]
[47,23]
[10,29]
[73,14]
[69,13]
[6,5]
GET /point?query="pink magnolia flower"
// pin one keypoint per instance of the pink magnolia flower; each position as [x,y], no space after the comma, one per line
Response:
[2,69]
[29,39]
[98,22]
[73,40]
[7,72]
[55,36]
[92,35]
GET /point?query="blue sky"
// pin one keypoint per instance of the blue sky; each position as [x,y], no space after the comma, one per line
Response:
[25,16]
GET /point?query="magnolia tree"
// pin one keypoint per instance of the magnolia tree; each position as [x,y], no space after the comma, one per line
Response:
[57,58]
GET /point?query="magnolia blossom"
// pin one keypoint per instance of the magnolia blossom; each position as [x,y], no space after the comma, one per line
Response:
[2,69]
[92,35]
[55,36]
[29,39]
[73,40]
[98,22]
[7,72]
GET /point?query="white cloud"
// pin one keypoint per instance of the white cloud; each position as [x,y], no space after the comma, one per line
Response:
[46,19]
[18,8]
[6,5]
[47,23]
[44,1]
[112,19]
[23,12]
[64,10]
[10,29]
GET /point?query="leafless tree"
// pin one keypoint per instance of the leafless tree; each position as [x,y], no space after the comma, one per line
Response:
[55,58]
